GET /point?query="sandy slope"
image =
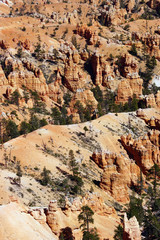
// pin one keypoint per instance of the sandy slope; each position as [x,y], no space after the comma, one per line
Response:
[103,133]
[15,224]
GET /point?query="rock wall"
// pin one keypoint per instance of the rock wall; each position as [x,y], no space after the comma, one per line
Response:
[112,13]
[103,74]
[119,173]
[58,218]
[131,229]
[89,33]
[151,41]
[132,85]
[24,73]
[144,150]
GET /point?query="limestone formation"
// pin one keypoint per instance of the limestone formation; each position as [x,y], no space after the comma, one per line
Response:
[3,79]
[52,217]
[119,173]
[132,85]
[73,77]
[55,89]
[38,214]
[102,72]
[151,42]
[144,150]
[113,14]
[89,33]
[131,229]
[24,73]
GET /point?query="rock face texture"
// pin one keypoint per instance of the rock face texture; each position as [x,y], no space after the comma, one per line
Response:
[16,222]
[4,44]
[132,85]
[112,14]
[103,74]
[38,214]
[25,73]
[145,150]
[151,42]
[131,229]
[152,100]
[3,79]
[73,77]
[52,217]
[89,33]
[56,92]
[153,123]
[119,173]
[58,218]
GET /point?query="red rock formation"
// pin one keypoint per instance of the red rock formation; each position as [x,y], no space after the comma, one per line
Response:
[90,33]
[4,44]
[119,174]
[112,13]
[58,218]
[55,91]
[84,55]
[38,214]
[52,217]
[124,92]
[3,79]
[151,42]
[131,229]
[132,86]
[26,74]
[102,71]
[73,77]
[85,97]
[27,45]
[145,150]
[114,183]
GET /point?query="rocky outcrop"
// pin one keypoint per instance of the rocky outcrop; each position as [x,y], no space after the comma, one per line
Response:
[151,42]
[58,218]
[73,77]
[119,173]
[3,79]
[56,91]
[85,97]
[151,100]
[38,214]
[145,150]
[103,74]
[153,123]
[112,14]
[24,73]
[16,222]
[132,85]
[4,44]
[53,219]
[26,45]
[128,66]
[89,33]
[124,92]
[131,229]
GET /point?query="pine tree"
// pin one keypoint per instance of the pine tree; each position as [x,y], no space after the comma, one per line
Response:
[45,177]
[72,163]
[86,216]
[19,173]
[118,233]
